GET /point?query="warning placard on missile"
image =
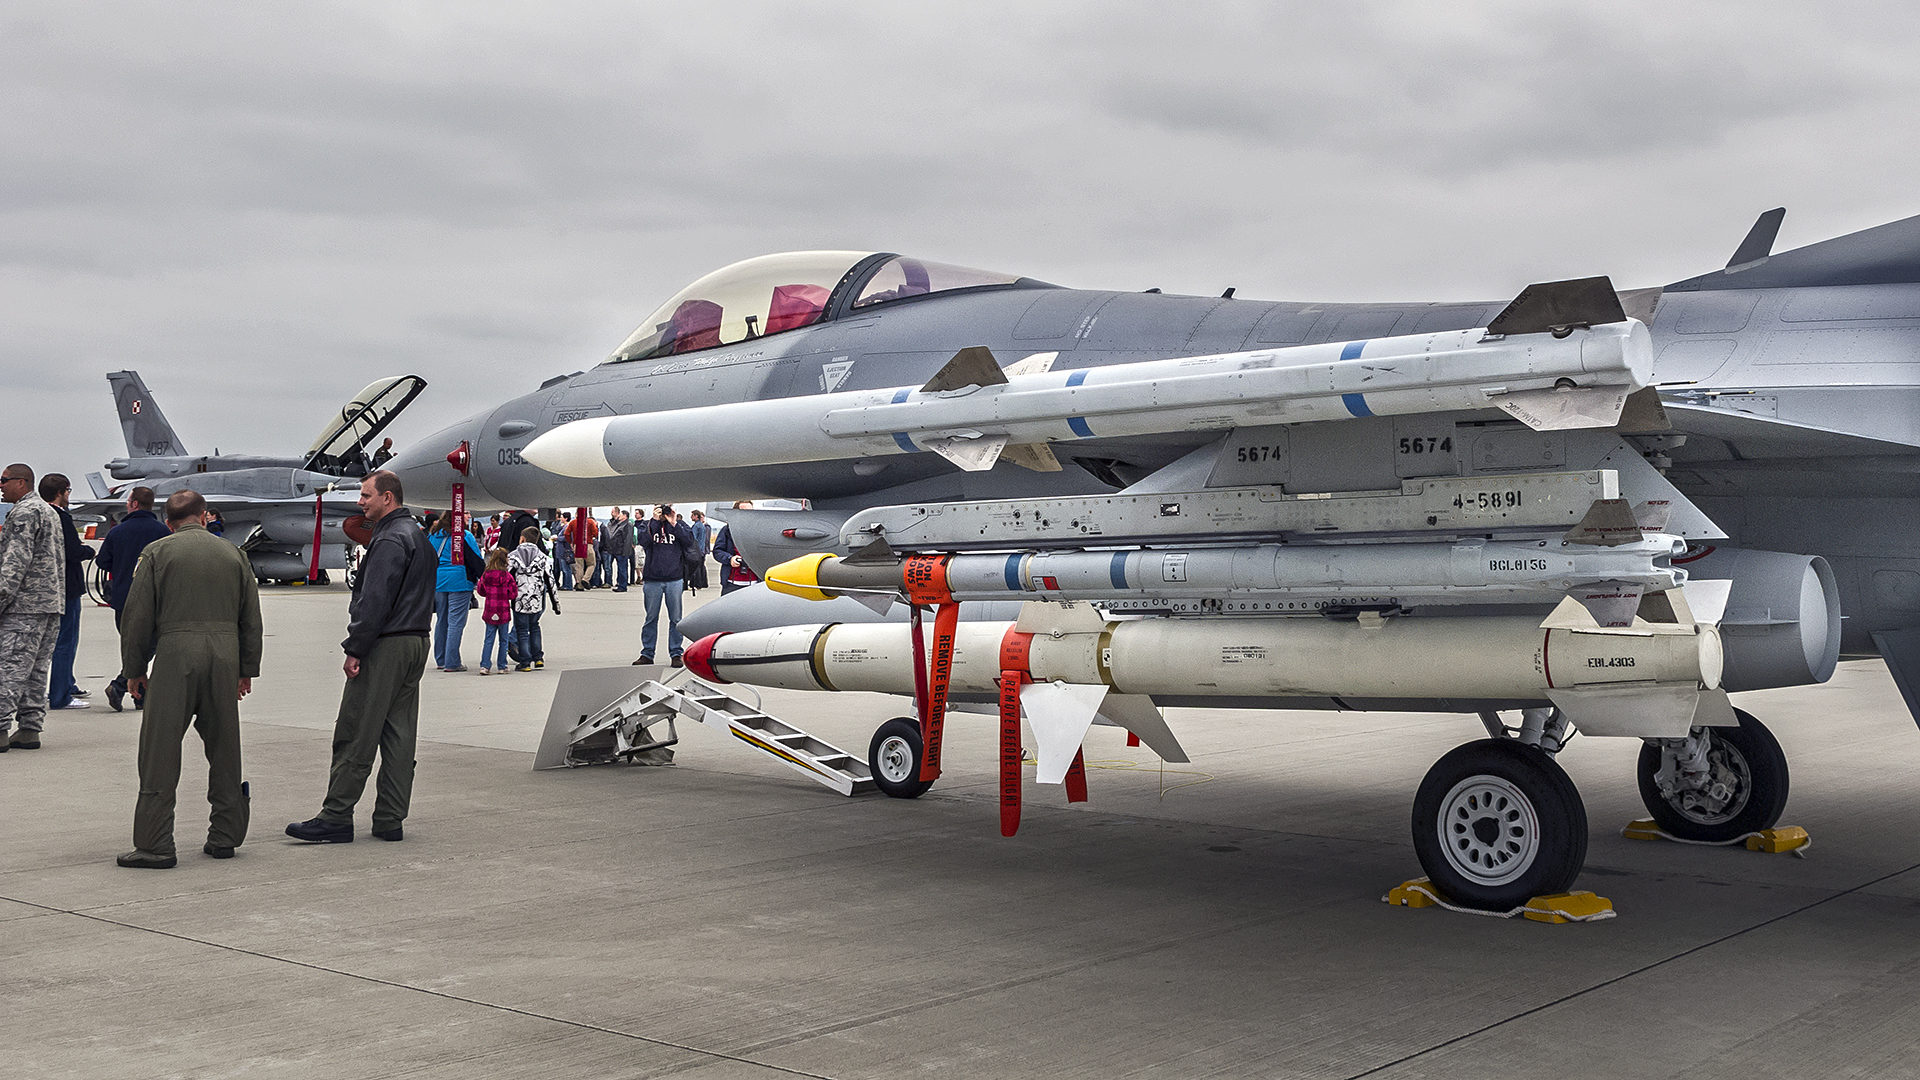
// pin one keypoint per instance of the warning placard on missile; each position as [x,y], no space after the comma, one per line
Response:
[1243,654]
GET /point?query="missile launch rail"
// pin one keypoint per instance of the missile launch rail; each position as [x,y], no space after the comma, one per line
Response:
[1466,505]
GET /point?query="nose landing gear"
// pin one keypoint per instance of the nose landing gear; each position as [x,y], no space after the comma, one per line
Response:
[1498,822]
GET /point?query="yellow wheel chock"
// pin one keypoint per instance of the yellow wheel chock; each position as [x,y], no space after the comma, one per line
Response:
[1781,838]
[1558,908]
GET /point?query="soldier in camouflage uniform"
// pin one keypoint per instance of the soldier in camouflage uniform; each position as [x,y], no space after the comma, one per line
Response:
[33,579]
[194,608]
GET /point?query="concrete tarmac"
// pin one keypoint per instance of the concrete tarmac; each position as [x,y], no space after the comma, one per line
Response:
[725,917]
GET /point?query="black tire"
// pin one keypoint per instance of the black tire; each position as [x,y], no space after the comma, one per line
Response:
[1749,760]
[894,757]
[1497,823]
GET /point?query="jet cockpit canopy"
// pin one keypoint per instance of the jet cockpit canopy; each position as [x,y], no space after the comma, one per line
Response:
[343,441]
[775,293]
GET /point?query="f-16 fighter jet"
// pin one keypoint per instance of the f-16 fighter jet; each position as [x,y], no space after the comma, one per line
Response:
[265,503]
[1575,510]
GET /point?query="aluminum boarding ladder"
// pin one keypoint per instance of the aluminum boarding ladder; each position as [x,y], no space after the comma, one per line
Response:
[631,726]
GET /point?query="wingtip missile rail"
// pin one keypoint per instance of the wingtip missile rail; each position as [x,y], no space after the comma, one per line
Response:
[1547,379]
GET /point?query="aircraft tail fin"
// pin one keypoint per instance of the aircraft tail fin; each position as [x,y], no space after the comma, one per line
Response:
[145,427]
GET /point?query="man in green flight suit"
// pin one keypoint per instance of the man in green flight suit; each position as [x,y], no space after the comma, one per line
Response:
[194,607]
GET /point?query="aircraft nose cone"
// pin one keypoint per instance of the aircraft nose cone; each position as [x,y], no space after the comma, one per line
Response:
[424,473]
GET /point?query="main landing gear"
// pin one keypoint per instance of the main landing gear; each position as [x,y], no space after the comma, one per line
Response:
[1497,822]
[1717,784]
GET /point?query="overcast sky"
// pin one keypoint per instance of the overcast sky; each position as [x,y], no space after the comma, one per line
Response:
[262,207]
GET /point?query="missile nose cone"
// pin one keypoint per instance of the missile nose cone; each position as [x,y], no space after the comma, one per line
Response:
[578,449]
[799,577]
[699,658]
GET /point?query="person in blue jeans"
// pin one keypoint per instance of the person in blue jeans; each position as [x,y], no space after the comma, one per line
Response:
[619,539]
[452,597]
[62,690]
[533,581]
[563,553]
[498,589]
[668,550]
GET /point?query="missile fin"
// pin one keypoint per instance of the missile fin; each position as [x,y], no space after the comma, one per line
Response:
[1611,603]
[1608,523]
[877,602]
[971,366]
[1037,364]
[1139,715]
[1556,306]
[1707,599]
[878,553]
[1643,412]
[1644,710]
[1641,303]
[1059,714]
[1653,514]
[1035,456]
[1665,607]
[973,455]
[1064,616]
[1714,709]
[1565,410]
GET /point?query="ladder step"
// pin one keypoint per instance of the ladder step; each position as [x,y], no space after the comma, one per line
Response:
[628,720]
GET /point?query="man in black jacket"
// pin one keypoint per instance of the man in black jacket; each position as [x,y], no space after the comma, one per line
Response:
[119,554]
[513,523]
[386,646]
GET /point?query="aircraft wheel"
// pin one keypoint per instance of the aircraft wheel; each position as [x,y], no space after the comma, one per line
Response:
[1496,823]
[1745,792]
[895,756]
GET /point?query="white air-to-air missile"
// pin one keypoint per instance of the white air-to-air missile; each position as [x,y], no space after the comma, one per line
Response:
[1268,577]
[973,410]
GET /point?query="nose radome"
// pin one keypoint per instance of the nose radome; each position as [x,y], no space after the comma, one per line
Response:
[426,477]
